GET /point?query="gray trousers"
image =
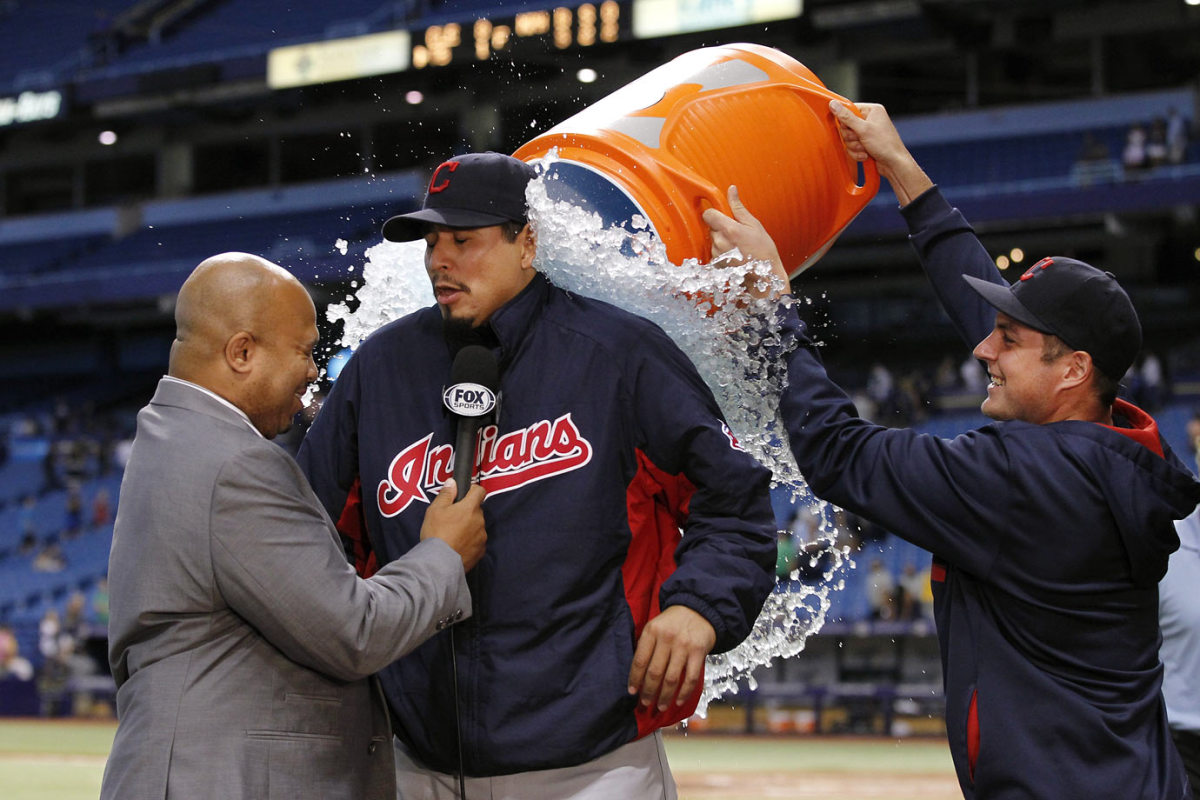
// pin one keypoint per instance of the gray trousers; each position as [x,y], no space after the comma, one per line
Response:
[636,771]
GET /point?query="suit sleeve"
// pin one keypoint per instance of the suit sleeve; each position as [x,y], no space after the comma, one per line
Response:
[948,248]
[942,495]
[726,558]
[277,564]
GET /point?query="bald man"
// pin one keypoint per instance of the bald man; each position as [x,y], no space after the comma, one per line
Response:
[239,637]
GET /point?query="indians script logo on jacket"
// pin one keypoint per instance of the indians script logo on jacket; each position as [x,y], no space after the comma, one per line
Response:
[507,462]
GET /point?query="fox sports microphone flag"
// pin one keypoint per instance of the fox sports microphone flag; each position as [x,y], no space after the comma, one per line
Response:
[470,398]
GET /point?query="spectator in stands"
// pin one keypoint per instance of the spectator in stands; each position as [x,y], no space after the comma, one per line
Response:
[1156,143]
[73,514]
[75,459]
[74,620]
[912,398]
[881,591]
[50,558]
[786,560]
[1179,616]
[1133,157]
[56,676]
[1177,136]
[974,380]
[99,603]
[50,478]
[28,545]
[49,627]
[12,663]
[1153,382]
[946,379]
[812,550]
[881,392]
[1051,527]
[101,509]
[913,590]
[52,677]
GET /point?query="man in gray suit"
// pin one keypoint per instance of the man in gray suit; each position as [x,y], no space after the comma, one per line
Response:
[240,637]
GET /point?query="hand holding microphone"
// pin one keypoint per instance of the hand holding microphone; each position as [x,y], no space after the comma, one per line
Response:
[458,524]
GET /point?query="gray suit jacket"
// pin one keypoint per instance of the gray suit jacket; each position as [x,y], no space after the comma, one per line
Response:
[239,637]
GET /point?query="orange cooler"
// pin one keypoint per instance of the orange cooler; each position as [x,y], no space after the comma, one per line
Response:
[669,144]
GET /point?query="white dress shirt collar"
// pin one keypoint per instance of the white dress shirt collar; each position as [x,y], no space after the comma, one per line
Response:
[216,397]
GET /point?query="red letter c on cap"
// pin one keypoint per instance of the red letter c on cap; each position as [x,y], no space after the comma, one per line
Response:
[434,186]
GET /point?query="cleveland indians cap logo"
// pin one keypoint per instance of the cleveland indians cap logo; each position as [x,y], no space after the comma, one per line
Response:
[1045,262]
[434,185]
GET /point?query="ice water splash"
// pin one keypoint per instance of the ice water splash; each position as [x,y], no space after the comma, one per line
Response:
[795,610]
[394,284]
[735,343]
[731,338]
[702,307]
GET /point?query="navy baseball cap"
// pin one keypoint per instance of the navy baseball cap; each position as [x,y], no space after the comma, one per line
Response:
[1082,305]
[469,191]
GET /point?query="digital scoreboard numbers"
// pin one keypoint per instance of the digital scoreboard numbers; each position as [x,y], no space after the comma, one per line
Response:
[559,28]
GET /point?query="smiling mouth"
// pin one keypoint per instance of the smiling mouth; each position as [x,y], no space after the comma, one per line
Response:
[997,382]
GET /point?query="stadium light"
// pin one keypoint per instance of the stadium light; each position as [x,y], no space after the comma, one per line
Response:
[586,75]
[414,98]
[107,138]
[1002,262]
[1017,255]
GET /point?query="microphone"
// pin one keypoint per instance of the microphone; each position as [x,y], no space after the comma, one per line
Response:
[470,398]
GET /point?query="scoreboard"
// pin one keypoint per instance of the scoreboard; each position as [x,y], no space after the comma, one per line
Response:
[526,34]
[530,31]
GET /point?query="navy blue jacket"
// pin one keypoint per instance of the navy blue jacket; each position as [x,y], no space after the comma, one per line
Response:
[608,443]
[1048,544]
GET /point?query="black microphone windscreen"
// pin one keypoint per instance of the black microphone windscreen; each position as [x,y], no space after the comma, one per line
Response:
[476,364]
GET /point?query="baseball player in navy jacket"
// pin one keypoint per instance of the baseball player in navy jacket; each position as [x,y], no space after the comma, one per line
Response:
[592,615]
[1049,528]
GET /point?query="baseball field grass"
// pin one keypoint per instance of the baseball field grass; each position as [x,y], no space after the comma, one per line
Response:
[52,760]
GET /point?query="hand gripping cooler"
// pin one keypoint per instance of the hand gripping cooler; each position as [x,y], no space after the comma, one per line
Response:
[669,144]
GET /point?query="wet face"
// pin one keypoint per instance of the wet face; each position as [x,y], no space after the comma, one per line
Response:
[474,271]
[1023,383]
[283,362]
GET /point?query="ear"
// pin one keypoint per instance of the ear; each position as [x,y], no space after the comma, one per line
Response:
[1078,368]
[528,246]
[239,351]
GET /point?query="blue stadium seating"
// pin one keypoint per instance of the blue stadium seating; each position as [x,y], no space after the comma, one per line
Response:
[236,36]
[43,37]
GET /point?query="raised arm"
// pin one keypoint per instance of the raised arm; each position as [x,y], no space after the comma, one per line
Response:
[945,243]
